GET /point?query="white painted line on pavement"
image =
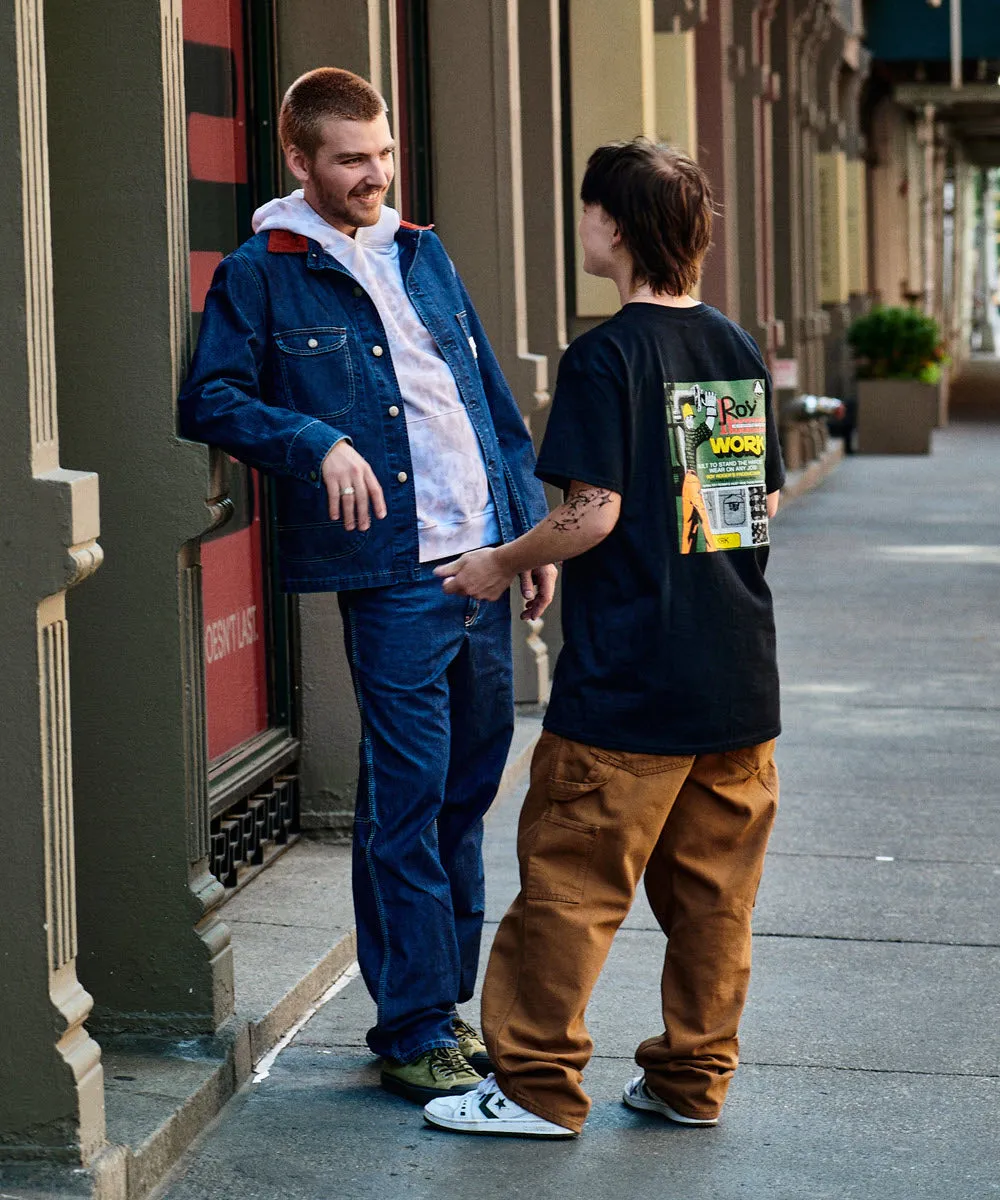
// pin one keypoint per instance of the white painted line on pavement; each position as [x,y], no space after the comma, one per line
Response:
[263,1068]
[945,553]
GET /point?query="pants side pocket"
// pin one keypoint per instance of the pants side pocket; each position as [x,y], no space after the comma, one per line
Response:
[559,860]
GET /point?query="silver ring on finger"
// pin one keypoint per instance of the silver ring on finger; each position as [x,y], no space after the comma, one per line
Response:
[347,491]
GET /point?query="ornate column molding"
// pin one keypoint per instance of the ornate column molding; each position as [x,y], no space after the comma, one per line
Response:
[484,230]
[545,244]
[715,41]
[810,20]
[52,1099]
[142,800]
[785,200]
[679,16]
[810,31]
[830,64]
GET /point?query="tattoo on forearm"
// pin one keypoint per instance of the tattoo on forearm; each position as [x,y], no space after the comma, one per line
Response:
[570,515]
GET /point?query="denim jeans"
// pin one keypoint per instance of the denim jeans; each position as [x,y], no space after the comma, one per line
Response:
[433,679]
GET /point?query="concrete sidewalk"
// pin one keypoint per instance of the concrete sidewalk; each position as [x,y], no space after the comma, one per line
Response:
[871,1048]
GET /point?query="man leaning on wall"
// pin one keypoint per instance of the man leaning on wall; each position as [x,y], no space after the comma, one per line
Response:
[340,353]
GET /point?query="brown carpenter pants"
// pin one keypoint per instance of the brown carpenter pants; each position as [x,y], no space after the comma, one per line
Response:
[593,821]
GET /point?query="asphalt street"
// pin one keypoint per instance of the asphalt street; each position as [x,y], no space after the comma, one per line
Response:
[871,1044]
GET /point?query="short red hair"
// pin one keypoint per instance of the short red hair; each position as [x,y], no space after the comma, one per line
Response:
[319,94]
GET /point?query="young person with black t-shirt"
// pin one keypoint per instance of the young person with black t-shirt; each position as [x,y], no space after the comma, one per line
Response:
[657,754]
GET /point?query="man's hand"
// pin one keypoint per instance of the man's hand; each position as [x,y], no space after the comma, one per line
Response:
[351,487]
[538,587]
[478,574]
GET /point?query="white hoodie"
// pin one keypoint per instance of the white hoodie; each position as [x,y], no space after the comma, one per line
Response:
[455,511]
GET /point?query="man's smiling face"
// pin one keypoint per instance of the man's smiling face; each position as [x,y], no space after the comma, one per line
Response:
[347,179]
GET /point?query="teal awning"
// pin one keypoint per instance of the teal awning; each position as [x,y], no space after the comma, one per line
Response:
[903,30]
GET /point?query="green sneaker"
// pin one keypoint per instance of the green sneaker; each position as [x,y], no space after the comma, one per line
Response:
[472,1046]
[440,1072]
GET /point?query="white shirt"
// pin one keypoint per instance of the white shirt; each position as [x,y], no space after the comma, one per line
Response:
[455,511]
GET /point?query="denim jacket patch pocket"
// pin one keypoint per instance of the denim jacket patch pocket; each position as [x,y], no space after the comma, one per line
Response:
[317,374]
[577,770]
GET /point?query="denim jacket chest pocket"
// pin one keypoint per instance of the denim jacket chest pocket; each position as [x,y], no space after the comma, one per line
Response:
[316,373]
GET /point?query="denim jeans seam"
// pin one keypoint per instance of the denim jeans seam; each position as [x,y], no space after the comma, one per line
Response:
[437,1043]
[515,995]
[373,813]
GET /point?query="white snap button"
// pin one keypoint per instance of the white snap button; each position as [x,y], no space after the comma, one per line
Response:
[377,351]
[402,477]
[394,411]
[312,343]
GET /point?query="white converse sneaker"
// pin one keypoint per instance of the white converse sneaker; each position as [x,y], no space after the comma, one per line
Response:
[487,1110]
[637,1095]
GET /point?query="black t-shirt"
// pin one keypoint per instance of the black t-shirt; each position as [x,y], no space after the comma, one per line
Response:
[668,624]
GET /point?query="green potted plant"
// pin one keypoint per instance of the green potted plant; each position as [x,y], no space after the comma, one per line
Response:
[899,357]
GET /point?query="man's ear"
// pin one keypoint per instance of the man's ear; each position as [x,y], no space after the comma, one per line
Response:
[298,163]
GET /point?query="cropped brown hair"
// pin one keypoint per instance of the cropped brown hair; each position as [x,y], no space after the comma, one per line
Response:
[317,95]
[661,201]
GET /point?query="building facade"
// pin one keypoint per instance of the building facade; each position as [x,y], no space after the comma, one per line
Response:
[171,721]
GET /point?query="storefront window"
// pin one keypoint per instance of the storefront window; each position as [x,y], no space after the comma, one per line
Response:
[413,157]
[233,565]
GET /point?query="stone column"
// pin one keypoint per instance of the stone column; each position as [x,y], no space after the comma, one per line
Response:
[964,257]
[612,97]
[51,1090]
[859,299]
[547,236]
[153,953]
[889,183]
[678,75]
[753,93]
[812,29]
[717,60]
[676,90]
[835,67]
[785,209]
[479,201]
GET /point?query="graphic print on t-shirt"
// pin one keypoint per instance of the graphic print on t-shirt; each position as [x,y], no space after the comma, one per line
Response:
[717,434]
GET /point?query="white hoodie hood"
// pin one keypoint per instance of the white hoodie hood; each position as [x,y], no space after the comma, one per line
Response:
[295,214]
[455,511]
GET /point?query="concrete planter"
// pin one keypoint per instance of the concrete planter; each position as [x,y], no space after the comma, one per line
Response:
[896,416]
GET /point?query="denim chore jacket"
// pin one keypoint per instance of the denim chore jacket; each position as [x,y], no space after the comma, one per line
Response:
[292,356]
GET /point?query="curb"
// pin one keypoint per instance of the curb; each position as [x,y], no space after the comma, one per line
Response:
[138,1172]
[272,1027]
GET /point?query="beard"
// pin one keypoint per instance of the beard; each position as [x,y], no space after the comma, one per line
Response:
[340,210]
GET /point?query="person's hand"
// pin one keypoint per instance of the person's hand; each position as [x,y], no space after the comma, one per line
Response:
[351,487]
[538,587]
[477,574]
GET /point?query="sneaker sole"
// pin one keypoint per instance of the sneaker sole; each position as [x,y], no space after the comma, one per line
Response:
[419,1094]
[641,1104]
[488,1129]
